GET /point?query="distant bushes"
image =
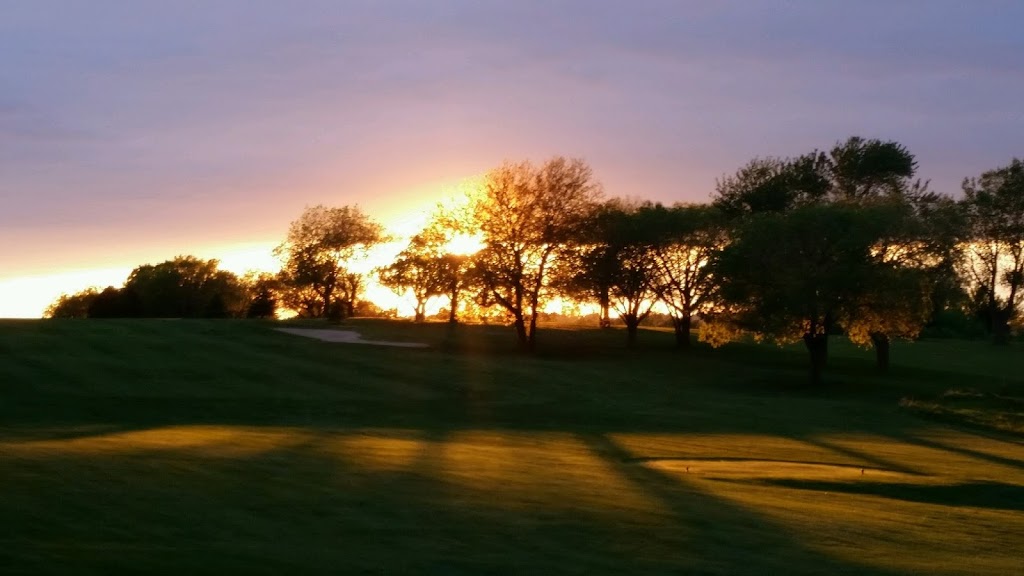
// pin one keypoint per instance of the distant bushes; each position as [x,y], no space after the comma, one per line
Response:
[185,287]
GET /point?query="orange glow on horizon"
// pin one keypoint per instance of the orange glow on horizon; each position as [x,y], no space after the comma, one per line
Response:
[28,296]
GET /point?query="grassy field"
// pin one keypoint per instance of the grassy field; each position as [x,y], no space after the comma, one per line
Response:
[192,447]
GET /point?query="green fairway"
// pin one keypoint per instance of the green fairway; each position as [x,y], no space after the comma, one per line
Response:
[184,447]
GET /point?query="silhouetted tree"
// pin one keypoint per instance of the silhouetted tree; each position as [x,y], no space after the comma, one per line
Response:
[774,185]
[612,261]
[301,299]
[590,263]
[868,174]
[992,255]
[940,231]
[349,292]
[587,278]
[856,170]
[316,256]
[684,239]
[527,215]
[875,172]
[795,274]
[187,287]
[426,269]
[72,305]
[860,170]
[114,302]
[263,289]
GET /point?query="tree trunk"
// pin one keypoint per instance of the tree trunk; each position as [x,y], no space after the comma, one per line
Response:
[1000,326]
[520,324]
[881,344]
[326,312]
[682,329]
[817,346]
[605,321]
[453,306]
[421,312]
[632,327]
[531,343]
[993,305]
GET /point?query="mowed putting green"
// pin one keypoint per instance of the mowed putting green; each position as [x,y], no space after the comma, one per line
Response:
[205,447]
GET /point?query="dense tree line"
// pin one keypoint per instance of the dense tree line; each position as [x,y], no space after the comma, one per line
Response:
[184,287]
[846,241]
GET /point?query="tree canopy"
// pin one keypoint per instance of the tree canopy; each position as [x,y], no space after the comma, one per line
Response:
[527,216]
[316,254]
[992,256]
[183,287]
[842,241]
[426,269]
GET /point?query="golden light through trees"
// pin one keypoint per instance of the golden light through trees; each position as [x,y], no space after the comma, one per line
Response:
[839,242]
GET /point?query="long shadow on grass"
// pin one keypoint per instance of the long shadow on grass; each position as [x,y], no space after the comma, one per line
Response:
[996,495]
[305,504]
[934,444]
[733,540]
[859,455]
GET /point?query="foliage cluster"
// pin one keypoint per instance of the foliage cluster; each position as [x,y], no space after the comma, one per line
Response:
[844,241]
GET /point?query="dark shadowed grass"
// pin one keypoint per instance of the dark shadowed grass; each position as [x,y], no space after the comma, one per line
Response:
[202,447]
[969,407]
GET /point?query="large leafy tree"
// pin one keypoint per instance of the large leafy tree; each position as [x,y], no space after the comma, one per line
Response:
[861,169]
[896,300]
[856,170]
[187,287]
[794,275]
[612,262]
[527,216]
[912,251]
[992,254]
[773,185]
[414,271]
[875,176]
[426,269]
[589,265]
[317,255]
[633,254]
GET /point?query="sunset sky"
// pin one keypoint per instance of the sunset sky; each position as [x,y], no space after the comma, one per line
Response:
[133,131]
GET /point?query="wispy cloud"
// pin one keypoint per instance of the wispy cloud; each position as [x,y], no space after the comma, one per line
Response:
[187,122]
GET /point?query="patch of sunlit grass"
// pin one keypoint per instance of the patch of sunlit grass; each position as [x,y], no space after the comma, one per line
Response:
[888,523]
[376,451]
[527,470]
[188,446]
[655,447]
[939,502]
[541,470]
[200,441]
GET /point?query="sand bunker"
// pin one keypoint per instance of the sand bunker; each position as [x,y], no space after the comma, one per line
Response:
[346,336]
